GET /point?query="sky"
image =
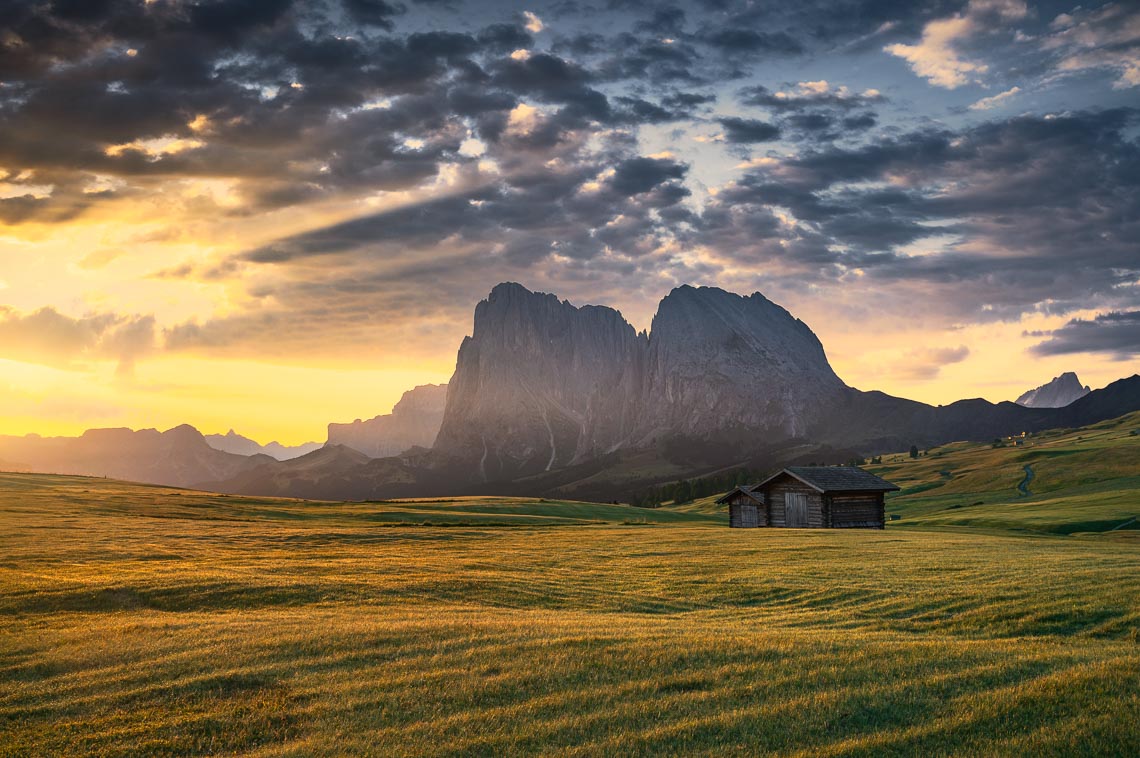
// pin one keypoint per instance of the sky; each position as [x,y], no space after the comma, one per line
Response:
[269,215]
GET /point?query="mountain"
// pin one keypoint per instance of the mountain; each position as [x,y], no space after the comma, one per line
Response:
[721,364]
[413,422]
[552,398]
[178,457]
[1058,393]
[547,395]
[232,442]
[541,384]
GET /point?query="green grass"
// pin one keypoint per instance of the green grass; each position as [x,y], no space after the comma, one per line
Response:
[1085,480]
[52,493]
[142,620]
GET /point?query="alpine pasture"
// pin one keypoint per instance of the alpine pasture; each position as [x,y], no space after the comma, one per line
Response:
[146,620]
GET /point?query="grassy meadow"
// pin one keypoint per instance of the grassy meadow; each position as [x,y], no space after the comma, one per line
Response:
[144,620]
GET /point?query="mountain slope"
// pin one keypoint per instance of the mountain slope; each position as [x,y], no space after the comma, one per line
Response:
[177,457]
[541,384]
[1084,479]
[336,472]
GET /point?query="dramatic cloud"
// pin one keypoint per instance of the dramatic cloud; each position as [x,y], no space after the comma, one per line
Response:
[938,57]
[1104,38]
[317,177]
[1014,202]
[986,103]
[53,339]
[1117,334]
[817,110]
[926,363]
[746,130]
[808,95]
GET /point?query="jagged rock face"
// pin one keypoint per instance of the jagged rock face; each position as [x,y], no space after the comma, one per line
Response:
[719,362]
[414,421]
[540,384]
[1058,393]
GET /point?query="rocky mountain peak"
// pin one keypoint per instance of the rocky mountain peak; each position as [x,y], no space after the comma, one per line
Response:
[1057,393]
[542,383]
[718,360]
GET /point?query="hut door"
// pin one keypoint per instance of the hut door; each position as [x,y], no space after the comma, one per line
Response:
[796,508]
[749,516]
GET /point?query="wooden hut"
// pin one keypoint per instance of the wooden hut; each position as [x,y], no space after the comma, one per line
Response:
[820,497]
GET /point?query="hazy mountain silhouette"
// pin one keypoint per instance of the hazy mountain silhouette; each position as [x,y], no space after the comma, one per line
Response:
[413,422]
[178,456]
[550,398]
[232,442]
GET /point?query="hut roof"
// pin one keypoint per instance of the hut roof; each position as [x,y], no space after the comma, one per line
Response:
[835,479]
[748,490]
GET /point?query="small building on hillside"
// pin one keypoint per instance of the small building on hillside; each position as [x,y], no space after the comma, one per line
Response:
[820,497]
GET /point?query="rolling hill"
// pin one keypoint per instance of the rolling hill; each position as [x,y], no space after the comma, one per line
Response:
[1063,481]
[157,621]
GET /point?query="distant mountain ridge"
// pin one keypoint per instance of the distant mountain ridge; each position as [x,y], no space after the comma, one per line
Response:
[413,422]
[179,456]
[1058,393]
[232,442]
[552,398]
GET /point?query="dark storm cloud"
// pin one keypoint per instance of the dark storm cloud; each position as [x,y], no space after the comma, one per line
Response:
[669,20]
[278,93]
[278,90]
[505,38]
[534,210]
[636,175]
[374,12]
[1114,333]
[551,79]
[801,99]
[1023,201]
[654,60]
[748,130]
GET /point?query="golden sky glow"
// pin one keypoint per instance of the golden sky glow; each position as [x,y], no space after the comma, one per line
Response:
[271,216]
[292,398]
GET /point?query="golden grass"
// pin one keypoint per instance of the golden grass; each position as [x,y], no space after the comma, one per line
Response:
[130,630]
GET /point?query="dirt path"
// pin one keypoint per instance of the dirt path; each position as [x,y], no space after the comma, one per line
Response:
[1129,522]
[1023,485]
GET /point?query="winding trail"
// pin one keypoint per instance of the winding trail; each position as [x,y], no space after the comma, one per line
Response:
[1023,485]
[1129,522]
